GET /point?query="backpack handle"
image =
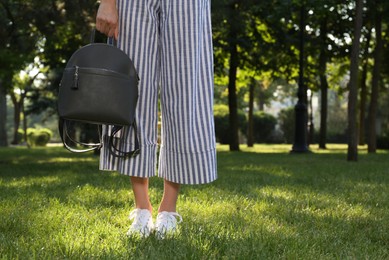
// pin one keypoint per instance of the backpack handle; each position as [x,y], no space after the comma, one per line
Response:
[110,40]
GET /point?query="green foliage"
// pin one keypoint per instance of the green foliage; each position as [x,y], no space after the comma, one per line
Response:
[286,119]
[38,137]
[266,204]
[267,44]
[264,126]
[20,136]
[221,114]
[17,38]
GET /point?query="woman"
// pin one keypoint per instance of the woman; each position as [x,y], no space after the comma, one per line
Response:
[170,43]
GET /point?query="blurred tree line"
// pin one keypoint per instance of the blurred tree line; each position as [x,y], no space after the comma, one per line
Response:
[257,47]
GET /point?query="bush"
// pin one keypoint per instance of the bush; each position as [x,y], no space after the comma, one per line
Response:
[221,114]
[336,138]
[20,136]
[264,126]
[286,118]
[383,141]
[38,137]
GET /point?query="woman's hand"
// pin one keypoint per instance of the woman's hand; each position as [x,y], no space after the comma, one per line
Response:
[107,20]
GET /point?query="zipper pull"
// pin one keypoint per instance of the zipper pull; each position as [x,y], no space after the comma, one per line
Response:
[75,85]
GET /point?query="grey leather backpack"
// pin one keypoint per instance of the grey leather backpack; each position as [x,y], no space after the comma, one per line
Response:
[99,86]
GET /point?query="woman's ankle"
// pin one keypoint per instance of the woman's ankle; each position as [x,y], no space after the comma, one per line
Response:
[140,187]
[170,196]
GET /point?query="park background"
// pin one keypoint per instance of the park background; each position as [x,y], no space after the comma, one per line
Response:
[272,58]
[269,57]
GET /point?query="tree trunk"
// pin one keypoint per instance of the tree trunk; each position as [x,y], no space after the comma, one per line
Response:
[261,105]
[17,111]
[311,125]
[363,93]
[323,86]
[261,97]
[3,115]
[372,138]
[250,131]
[24,122]
[233,68]
[352,152]
[232,99]
[362,104]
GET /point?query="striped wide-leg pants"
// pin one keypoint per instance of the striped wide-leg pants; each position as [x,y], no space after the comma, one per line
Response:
[170,43]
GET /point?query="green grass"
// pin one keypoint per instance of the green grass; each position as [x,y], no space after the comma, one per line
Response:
[266,204]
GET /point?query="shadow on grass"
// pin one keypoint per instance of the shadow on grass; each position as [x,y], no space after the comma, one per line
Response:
[58,173]
[55,173]
[263,204]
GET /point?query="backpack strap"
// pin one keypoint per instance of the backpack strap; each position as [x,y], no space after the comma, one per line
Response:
[114,151]
[65,137]
[119,153]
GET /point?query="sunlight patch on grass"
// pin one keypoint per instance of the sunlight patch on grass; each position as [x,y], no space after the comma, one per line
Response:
[94,196]
[286,148]
[65,160]
[267,148]
[23,182]
[77,229]
[258,148]
[257,169]
[62,227]
[330,148]
[325,214]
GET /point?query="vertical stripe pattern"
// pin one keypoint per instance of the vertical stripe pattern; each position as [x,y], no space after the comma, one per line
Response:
[170,43]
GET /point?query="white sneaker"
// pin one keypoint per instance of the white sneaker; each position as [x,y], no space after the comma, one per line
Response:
[166,223]
[142,224]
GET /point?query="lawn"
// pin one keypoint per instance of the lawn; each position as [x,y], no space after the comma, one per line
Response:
[266,204]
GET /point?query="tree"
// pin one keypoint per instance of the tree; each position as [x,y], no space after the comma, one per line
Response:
[329,22]
[17,42]
[326,26]
[232,42]
[22,86]
[233,67]
[66,26]
[363,92]
[352,153]
[50,30]
[3,115]
[323,85]
[372,143]
[250,129]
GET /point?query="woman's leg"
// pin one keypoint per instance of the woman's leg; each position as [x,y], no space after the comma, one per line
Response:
[188,147]
[140,187]
[166,222]
[170,195]
[142,224]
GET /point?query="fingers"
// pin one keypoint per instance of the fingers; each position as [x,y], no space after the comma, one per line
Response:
[117,33]
[112,32]
[107,19]
[107,27]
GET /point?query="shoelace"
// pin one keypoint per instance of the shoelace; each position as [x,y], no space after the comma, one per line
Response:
[139,216]
[170,217]
[175,215]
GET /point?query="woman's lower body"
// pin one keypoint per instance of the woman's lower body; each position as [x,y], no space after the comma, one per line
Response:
[170,43]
